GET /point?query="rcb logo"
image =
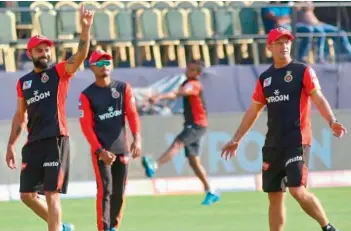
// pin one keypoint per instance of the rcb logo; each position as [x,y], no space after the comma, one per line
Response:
[115,93]
[288,77]
[44,78]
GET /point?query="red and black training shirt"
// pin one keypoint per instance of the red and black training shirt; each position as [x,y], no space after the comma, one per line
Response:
[103,113]
[286,93]
[45,95]
[194,105]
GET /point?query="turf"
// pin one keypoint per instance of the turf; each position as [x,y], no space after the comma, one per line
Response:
[245,211]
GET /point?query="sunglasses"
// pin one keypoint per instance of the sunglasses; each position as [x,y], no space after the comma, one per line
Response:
[102,63]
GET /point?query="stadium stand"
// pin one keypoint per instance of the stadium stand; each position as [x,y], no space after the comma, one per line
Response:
[141,33]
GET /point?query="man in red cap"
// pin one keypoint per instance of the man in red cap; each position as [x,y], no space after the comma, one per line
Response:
[41,99]
[286,88]
[104,107]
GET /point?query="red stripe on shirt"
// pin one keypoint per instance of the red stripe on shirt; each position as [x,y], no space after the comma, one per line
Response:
[62,90]
[310,84]
[87,122]
[131,111]
[198,110]
[19,90]
[258,95]
[194,90]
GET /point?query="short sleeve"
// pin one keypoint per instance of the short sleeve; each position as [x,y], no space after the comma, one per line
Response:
[61,70]
[310,81]
[19,90]
[258,95]
[192,88]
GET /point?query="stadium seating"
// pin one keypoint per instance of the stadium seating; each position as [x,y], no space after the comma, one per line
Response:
[146,33]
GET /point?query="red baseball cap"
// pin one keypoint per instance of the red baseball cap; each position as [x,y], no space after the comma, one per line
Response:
[98,54]
[38,39]
[277,33]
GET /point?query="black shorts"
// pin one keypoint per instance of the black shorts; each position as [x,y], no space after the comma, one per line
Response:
[45,165]
[284,167]
[190,137]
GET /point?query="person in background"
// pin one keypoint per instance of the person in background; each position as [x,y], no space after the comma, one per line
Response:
[195,126]
[274,17]
[307,19]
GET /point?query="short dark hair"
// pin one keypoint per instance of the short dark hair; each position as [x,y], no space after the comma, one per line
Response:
[197,62]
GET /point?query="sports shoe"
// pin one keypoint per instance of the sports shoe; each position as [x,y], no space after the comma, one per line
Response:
[149,166]
[113,229]
[210,199]
[329,227]
[67,227]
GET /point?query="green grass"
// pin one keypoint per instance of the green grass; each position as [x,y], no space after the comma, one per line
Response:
[245,211]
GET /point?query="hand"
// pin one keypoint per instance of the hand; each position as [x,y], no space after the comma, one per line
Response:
[153,99]
[135,148]
[229,150]
[11,157]
[107,157]
[338,129]
[86,17]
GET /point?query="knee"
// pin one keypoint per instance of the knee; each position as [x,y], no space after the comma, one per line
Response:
[28,197]
[106,189]
[194,161]
[299,193]
[276,198]
[319,30]
[52,198]
[177,144]
[276,207]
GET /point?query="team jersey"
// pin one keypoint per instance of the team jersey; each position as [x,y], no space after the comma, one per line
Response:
[102,116]
[45,95]
[194,104]
[286,93]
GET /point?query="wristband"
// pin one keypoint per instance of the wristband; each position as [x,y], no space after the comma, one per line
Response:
[98,151]
[332,121]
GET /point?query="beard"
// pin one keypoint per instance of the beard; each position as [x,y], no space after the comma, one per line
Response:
[40,63]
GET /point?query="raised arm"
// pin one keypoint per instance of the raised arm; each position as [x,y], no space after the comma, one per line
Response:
[86,20]
[191,88]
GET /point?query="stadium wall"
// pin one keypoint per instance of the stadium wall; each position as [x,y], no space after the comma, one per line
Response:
[227,88]
[329,162]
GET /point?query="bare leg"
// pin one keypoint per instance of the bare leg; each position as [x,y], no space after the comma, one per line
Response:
[54,208]
[310,204]
[171,151]
[276,211]
[199,171]
[38,206]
